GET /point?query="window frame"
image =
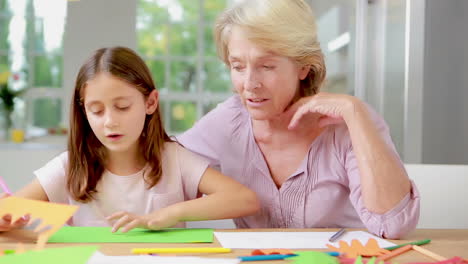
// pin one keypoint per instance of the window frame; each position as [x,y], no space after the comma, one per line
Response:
[31,54]
[200,96]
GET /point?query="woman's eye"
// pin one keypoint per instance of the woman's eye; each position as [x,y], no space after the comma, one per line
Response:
[268,67]
[237,67]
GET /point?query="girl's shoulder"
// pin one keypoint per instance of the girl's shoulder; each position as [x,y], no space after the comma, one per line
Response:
[58,162]
[174,151]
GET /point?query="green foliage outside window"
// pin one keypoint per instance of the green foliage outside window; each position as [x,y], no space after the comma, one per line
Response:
[41,66]
[47,112]
[168,38]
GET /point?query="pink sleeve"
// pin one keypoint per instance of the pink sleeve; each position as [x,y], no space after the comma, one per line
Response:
[192,168]
[52,178]
[398,221]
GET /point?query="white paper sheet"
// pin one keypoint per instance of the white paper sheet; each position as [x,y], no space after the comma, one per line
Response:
[257,240]
[99,258]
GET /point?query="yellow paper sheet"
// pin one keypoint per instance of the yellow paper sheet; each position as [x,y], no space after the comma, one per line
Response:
[51,214]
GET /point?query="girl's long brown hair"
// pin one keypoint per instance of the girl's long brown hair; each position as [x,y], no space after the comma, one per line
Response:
[86,154]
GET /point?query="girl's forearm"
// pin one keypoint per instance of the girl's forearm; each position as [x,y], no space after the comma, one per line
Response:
[220,205]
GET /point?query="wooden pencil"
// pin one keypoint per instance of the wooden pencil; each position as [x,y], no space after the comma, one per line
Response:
[429,253]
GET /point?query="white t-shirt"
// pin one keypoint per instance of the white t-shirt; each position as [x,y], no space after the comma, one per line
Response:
[182,171]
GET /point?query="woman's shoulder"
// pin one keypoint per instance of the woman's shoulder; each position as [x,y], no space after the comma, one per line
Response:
[231,109]
[228,118]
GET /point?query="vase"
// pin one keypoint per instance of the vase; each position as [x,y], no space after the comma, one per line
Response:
[7,124]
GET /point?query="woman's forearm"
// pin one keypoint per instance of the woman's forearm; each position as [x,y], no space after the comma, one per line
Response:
[383,178]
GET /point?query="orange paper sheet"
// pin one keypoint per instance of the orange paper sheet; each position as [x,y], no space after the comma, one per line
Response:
[371,249]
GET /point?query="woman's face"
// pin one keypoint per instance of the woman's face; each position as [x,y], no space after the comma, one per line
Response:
[267,83]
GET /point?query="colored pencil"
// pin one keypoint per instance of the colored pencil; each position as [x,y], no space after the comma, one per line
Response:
[419,243]
[180,250]
[266,257]
[429,253]
[337,235]
[394,253]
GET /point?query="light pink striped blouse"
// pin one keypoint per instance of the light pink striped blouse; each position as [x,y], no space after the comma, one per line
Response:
[324,191]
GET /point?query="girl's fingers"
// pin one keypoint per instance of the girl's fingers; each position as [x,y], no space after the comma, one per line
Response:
[7,217]
[19,223]
[121,222]
[6,224]
[117,215]
[133,224]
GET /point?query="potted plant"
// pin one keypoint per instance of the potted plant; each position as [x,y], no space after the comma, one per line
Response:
[7,99]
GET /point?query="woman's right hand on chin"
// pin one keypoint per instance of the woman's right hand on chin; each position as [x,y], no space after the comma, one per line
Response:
[5,220]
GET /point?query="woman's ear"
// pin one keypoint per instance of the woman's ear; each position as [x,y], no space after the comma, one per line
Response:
[152,102]
[303,72]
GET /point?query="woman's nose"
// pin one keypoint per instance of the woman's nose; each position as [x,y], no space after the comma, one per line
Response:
[252,80]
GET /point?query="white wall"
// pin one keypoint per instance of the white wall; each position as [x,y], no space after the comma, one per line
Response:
[18,163]
[442,188]
[93,24]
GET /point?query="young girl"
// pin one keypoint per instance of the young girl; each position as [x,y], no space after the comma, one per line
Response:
[121,167]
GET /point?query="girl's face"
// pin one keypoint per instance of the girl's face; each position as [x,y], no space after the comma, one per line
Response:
[267,83]
[116,111]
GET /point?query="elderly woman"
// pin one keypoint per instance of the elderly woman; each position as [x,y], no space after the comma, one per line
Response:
[315,159]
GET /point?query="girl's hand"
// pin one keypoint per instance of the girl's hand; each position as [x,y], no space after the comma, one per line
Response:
[333,108]
[157,220]
[5,220]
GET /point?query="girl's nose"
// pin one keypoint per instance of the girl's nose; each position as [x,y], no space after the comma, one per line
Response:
[111,120]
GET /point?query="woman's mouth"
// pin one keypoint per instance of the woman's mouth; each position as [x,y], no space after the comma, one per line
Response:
[255,102]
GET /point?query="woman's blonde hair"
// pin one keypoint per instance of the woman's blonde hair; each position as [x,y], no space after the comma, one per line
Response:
[285,27]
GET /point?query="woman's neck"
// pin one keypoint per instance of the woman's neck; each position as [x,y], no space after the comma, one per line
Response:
[125,163]
[275,131]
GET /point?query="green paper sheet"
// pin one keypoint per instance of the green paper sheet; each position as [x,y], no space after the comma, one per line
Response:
[75,234]
[69,255]
[308,257]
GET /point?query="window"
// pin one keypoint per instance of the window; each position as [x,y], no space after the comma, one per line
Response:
[31,33]
[175,37]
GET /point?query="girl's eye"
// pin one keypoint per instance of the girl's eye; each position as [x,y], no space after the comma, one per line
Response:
[268,67]
[123,108]
[94,110]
